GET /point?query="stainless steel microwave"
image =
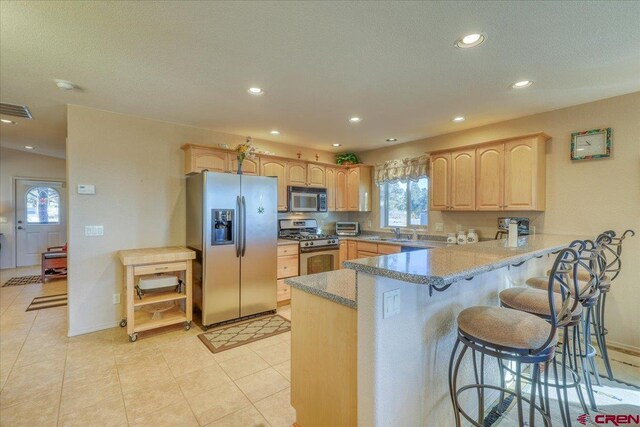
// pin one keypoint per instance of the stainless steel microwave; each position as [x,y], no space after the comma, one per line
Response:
[304,199]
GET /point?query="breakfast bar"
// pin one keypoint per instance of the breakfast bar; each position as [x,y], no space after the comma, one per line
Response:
[406,305]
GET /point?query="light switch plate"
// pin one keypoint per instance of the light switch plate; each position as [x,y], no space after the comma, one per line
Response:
[86,189]
[390,303]
[94,230]
[439,226]
[458,227]
[116,298]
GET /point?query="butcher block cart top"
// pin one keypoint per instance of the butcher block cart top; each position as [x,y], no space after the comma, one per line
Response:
[176,302]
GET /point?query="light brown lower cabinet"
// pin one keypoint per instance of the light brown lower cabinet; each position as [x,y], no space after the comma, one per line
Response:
[287,266]
[352,249]
[344,254]
[284,292]
[324,362]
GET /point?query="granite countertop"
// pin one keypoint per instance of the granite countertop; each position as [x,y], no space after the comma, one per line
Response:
[421,243]
[444,265]
[338,286]
[284,242]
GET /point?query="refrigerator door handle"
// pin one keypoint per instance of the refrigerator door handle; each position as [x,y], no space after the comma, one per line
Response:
[238,227]
[244,225]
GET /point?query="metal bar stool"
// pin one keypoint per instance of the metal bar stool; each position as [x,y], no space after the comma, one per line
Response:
[517,337]
[535,301]
[588,295]
[612,253]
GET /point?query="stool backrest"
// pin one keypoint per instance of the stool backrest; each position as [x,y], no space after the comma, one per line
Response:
[613,252]
[564,274]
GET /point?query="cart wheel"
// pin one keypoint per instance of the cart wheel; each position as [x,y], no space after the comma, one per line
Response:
[187,326]
[133,337]
[123,323]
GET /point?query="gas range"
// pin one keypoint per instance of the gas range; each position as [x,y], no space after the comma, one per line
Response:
[305,231]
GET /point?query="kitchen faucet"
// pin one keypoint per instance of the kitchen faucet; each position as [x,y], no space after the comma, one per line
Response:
[396,231]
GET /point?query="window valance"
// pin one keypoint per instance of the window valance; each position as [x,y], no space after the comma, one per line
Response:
[402,169]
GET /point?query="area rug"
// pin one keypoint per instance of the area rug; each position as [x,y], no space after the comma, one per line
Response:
[48,301]
[237,334]
[24,280]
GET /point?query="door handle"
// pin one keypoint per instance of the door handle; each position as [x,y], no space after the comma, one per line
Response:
[237,226]
[244,226]
[20,227]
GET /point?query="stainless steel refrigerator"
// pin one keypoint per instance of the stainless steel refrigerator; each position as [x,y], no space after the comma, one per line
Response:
[232,226]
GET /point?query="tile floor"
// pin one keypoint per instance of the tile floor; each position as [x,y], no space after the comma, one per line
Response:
[168,379]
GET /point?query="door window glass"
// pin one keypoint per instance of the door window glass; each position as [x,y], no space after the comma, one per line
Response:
[43,206]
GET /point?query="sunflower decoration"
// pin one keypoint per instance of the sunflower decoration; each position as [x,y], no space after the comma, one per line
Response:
[246,150]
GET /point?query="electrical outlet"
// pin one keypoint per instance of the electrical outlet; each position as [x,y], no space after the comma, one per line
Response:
[116,298]
[94,230]
[391,303]
[439,226]
[369,224]
[458,227]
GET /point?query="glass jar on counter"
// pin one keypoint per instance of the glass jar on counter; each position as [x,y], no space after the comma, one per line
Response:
[451,238]
[472,236]
[462,238]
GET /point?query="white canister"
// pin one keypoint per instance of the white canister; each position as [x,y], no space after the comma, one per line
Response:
[472,236]
[451,238]
[462,238]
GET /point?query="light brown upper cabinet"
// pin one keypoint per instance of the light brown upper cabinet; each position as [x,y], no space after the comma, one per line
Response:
[489,182]
[359,188]
[463,180]
[277,168]
[249,166]
[505,175]
[440,182]
[197,159]
[316,175]
[297,174]
[330,178]
[341,189]
[524,174]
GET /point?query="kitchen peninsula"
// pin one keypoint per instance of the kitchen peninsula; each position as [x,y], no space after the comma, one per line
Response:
[401,356]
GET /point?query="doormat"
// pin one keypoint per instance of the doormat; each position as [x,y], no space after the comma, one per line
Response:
[48,301]
[235,335]
[24,280]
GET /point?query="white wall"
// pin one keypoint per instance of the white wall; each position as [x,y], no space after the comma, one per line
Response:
[15,163]
[136,165]
[583,198]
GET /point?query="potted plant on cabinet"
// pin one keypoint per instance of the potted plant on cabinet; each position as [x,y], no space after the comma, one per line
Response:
[347,159]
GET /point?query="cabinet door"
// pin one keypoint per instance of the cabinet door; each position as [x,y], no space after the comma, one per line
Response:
[297,174]
[489,177]
[520,174]
[439,182]
[353,189]
[463,180]
[341,189]
[316,175]
[344,254]
[249,166]
[277,168]
[211,160]
[284,291]
[352,250]
[330,178]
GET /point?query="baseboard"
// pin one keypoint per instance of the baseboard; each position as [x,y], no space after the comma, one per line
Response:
[96,328]
[624,348]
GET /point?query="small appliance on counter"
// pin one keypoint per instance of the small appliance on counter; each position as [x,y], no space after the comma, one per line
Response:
[503,226]
[347,228]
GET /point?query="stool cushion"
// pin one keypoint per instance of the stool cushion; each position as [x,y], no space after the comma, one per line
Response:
[584,276]
[505,327]
[51,255]
[543,283]
[534,301]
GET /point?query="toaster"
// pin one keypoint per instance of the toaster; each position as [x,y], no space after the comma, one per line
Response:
[347,228]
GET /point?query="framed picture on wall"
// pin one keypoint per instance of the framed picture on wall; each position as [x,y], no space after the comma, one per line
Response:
[591,144]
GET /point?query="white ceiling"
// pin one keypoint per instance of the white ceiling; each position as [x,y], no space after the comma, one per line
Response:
[392,63]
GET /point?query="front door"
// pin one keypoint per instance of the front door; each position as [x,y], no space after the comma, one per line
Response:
[40,219]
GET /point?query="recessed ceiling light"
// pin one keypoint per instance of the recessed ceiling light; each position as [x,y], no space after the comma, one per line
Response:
[337,145]
[64,84]
[255,91]
[29,147]
[355,119]
[7,121]
[470,40]
[522,84]
[275,132]
[392,139]
[458,119]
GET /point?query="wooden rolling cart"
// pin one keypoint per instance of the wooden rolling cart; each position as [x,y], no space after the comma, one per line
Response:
[148,262]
